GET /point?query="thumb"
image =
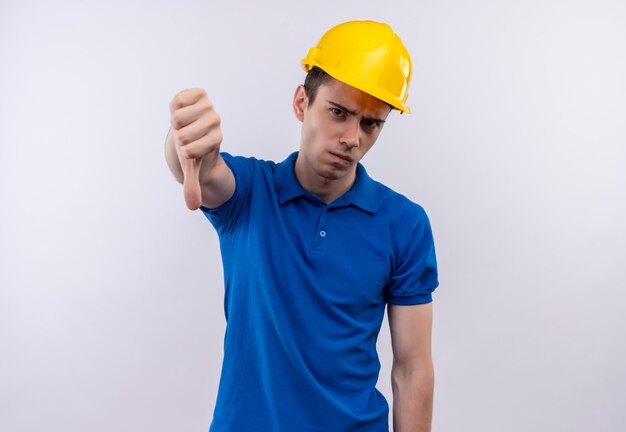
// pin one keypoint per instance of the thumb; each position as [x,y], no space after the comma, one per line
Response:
[191,182]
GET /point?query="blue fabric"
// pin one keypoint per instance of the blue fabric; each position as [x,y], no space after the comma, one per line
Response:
[306,285]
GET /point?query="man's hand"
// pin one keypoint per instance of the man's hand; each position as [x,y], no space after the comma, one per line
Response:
[197,137]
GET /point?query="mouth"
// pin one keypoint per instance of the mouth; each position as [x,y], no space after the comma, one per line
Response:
[343,157]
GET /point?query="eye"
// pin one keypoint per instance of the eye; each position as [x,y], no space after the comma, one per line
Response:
[337,112]
[370,124]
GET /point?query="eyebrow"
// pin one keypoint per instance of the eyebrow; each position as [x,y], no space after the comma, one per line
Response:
[353,112]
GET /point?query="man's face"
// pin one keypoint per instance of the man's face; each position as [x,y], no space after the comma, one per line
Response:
[338,129]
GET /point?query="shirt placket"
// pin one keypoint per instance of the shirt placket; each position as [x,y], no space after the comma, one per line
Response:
[321,233]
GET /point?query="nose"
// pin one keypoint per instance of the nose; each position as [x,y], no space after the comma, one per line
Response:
[351,135]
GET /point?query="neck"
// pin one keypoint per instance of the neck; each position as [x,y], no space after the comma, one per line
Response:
[326,189]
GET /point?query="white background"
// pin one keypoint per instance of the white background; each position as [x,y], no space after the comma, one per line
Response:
[111,291]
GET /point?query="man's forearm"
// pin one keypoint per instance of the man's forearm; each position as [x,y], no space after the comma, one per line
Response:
[412,398]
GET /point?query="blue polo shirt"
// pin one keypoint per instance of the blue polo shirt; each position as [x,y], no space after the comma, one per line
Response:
[306,285]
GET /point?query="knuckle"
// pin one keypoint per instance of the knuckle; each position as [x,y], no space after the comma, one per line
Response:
[188,153]
[182,138]
[176,102]
[197,91]
[205,111]
[218,137]
[213,121]
[176,120]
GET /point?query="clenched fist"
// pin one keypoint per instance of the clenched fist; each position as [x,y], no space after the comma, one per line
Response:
[197,137]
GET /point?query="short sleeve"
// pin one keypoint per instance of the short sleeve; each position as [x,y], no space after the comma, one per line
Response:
[415,276]
[224,218]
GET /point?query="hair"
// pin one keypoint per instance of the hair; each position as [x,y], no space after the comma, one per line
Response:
[314,79]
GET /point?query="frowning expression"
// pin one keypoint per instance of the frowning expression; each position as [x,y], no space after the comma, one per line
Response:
[338,129]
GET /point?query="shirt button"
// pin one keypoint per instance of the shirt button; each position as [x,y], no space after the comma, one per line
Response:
[323,233]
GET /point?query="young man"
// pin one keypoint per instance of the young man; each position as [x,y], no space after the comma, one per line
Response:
[313,249]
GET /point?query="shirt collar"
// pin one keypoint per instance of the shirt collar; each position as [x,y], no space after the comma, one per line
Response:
[362,194]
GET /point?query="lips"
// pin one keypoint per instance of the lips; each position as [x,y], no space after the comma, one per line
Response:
[342,156]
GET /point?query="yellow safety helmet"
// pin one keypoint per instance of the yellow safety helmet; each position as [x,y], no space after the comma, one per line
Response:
[367,55]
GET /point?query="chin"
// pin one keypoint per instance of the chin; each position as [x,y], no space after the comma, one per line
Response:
[332,174]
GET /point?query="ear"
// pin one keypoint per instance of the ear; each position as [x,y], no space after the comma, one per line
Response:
[300,102]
